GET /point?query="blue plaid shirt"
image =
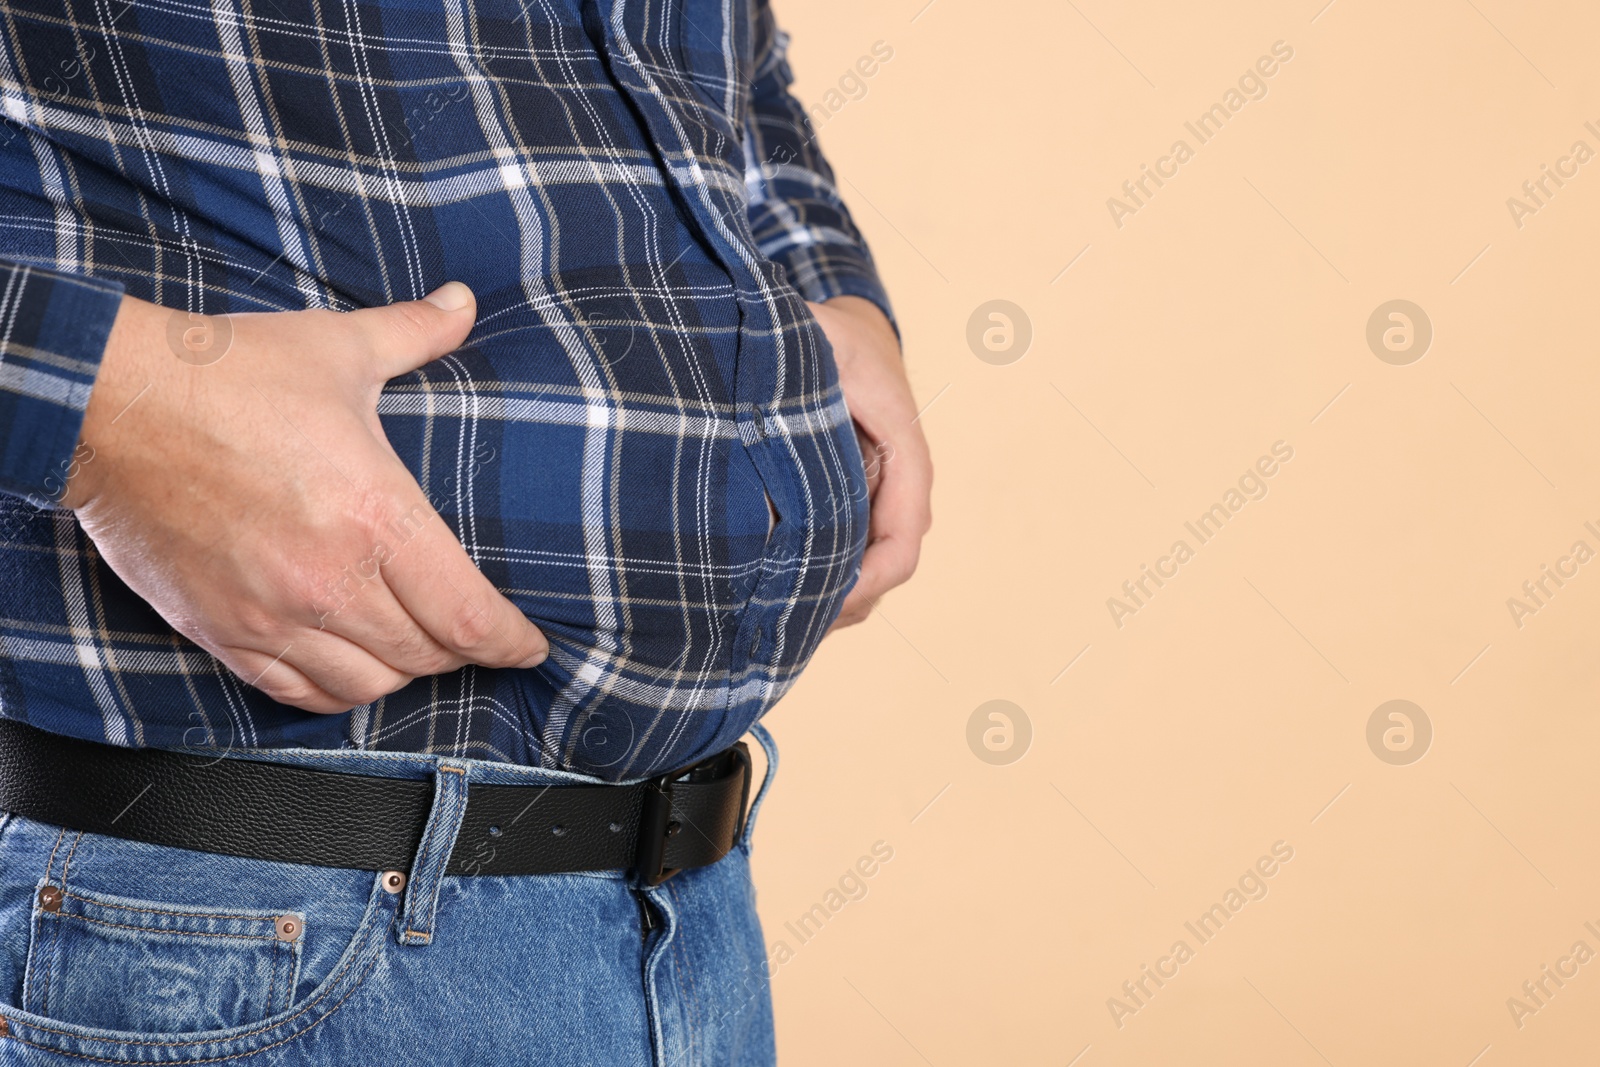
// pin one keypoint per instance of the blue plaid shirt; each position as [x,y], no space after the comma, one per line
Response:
[638,203]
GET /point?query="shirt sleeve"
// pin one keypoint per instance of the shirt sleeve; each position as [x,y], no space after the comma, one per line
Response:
[53,330]
[796,213]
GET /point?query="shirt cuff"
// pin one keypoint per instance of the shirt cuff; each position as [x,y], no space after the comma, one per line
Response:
[826,270]
[53,331]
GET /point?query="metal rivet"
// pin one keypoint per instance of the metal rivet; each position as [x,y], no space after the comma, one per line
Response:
[5,1028]
[50,898]
[615,827]
[288,927]
[394,881]
[558,829]
[673,828]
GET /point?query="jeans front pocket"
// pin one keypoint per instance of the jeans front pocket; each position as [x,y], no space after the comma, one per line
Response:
[106,961]
[116,951]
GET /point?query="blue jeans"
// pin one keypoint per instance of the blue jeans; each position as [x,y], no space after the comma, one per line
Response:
[122,952]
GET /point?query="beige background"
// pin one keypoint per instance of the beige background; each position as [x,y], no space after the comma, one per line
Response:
[1230,713]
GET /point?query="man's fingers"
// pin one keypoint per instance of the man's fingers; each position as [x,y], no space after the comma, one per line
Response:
[900,475]
[873,455]
[281,681]
[343,670]
[898,521]
[438,585]
[900,499]
[410,334]
[855,610]
[888,562]
[365,612]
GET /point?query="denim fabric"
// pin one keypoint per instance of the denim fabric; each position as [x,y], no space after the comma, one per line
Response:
[121,952]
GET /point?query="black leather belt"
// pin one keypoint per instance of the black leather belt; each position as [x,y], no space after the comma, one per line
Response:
[289,814]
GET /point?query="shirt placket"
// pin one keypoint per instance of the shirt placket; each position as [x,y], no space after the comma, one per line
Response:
[638,64]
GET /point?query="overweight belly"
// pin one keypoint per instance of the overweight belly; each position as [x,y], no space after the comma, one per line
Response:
[588,457]
[588,444]
[607,487]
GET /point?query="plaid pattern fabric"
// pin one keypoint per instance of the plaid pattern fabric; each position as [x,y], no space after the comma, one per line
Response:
[634,197]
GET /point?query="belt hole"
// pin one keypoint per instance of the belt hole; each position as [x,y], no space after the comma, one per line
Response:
[615,827]
[558,829]
[494,831]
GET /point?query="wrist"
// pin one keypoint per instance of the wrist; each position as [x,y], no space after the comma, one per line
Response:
[868,317]
[128,366]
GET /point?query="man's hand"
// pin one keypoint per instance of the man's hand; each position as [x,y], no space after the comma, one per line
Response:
[900,471]
[256,504]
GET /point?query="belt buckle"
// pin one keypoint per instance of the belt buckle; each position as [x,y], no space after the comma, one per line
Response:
[654,828]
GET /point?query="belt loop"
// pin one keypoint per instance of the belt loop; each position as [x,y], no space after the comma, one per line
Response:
[770,747]
[433,855]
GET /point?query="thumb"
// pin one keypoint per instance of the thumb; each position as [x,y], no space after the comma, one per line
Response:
[412,333]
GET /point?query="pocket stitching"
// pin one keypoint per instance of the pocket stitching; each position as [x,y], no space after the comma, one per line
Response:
[43,1003]
[66,864]
[156,930]
[53,966]
[165,911]
[209,1059]
[291,955]
[374,932]
[55,963]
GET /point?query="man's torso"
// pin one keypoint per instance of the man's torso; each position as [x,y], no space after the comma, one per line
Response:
[640,381]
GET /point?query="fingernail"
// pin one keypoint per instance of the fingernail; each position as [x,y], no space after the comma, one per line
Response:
[451,296]
[533,659]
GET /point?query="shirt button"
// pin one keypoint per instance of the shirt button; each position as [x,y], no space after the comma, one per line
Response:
[755,645]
